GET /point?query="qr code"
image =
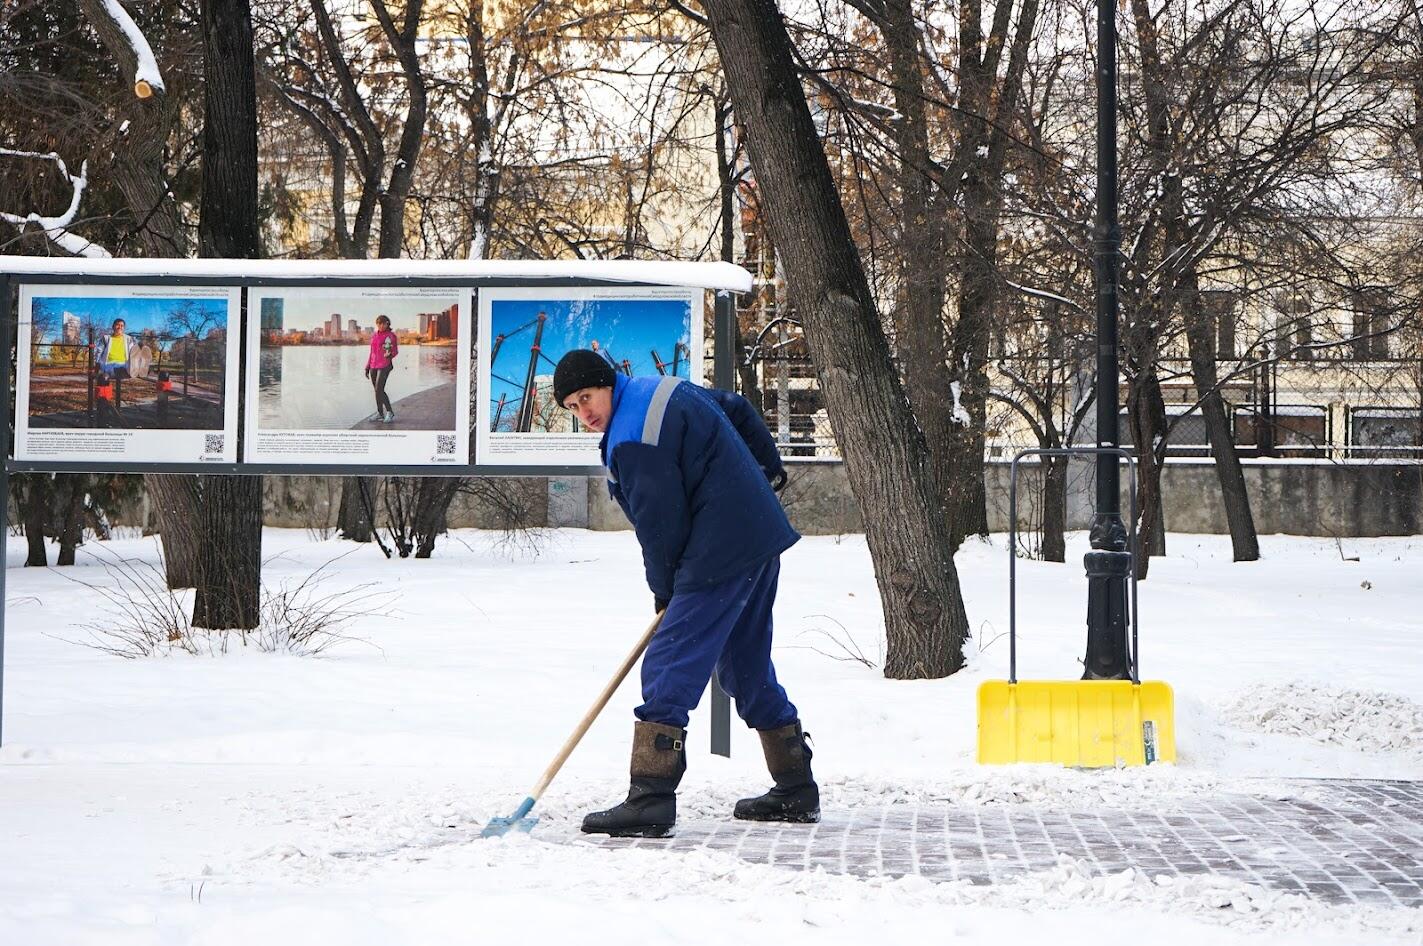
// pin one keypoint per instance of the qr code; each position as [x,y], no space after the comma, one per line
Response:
[444,443]
[212,443]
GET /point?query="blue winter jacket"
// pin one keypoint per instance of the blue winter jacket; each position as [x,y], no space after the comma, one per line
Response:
[690,467]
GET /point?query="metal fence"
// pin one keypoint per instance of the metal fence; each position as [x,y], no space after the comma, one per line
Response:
[1261,424]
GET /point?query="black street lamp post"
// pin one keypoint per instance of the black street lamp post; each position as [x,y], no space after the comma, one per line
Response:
[1108,564]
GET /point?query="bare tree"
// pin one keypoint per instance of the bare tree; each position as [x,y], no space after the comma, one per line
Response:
[924,142]
[885,453]
[107,95]
[229,560]
[1228,112]
[1044,379]
[140,170]
[343,85]
[1236,102]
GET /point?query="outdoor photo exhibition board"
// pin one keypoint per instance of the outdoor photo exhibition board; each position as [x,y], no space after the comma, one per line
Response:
[139,373]
[523,332]
[355,375]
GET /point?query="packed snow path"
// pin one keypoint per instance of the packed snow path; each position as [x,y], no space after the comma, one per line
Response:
[1340,841]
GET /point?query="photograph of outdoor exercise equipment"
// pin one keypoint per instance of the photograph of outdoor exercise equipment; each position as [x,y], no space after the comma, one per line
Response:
[639,336]
[122,361]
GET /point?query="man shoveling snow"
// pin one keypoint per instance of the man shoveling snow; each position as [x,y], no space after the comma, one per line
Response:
[693,470]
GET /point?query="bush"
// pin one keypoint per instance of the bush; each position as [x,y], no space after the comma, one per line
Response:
[147,619]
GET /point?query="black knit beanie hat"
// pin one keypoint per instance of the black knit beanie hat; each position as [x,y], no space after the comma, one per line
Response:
[580,369]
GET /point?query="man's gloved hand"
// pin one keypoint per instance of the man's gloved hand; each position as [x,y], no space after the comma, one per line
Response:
[778,480]
[659,604]
[368,372]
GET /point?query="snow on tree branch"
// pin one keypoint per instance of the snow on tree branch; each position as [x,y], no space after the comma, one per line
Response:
[1044,294]
[55,228]
[127,43]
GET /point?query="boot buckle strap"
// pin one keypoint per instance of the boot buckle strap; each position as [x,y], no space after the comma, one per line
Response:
[665,742]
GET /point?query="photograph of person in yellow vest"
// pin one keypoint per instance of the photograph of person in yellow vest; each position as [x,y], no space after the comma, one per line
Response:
[136,362]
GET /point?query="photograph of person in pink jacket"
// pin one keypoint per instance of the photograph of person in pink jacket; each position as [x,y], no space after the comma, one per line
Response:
[379,364]
[317,344]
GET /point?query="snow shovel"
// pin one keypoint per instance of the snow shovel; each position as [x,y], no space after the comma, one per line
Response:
[520,819]
[1082,723]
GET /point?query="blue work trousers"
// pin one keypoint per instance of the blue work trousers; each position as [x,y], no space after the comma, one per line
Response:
[724,627]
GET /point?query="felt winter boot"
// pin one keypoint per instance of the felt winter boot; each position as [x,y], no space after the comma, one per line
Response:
[795,796]
[650,811]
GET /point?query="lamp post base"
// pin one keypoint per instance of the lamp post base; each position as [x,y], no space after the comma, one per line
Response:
[1107,574]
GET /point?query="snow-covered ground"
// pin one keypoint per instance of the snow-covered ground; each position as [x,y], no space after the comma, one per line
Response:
[271,798]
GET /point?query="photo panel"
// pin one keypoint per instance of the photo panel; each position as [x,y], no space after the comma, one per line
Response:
[146,374]
[358,375]
[523,332]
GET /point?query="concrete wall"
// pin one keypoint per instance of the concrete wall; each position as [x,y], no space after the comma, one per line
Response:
[1293,497]
[1302,498]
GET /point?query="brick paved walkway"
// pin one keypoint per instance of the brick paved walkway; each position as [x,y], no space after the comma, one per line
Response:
[1351,842]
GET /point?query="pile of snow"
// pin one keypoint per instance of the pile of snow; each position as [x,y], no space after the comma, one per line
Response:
[1232,902]
[1361,720]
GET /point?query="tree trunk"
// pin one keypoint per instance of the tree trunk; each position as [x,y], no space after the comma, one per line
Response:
[1200,339]
[176,501]
[1055,509]
[481,134]
[726,180]
[968,392]
[229,558]
[367,143]
[886,457]
[393,196]
[432,504]
[70,493]
[353,520]
[746,370]
[1146,412]
[725,177]
[227,227]
[33,503]
[987,110]
[1153,305]
[919,314]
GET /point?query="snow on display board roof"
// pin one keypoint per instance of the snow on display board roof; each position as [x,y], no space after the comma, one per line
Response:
[727,276]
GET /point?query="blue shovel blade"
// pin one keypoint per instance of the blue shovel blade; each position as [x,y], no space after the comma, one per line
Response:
[518,821]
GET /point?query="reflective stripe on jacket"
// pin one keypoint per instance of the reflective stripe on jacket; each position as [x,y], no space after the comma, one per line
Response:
[690,467]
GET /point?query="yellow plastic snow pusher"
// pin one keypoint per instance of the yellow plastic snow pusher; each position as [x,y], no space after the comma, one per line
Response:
[1082,723]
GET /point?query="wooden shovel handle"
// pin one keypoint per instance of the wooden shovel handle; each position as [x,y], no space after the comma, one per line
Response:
[597,708]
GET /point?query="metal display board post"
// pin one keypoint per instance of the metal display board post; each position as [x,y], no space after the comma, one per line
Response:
[723,378]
